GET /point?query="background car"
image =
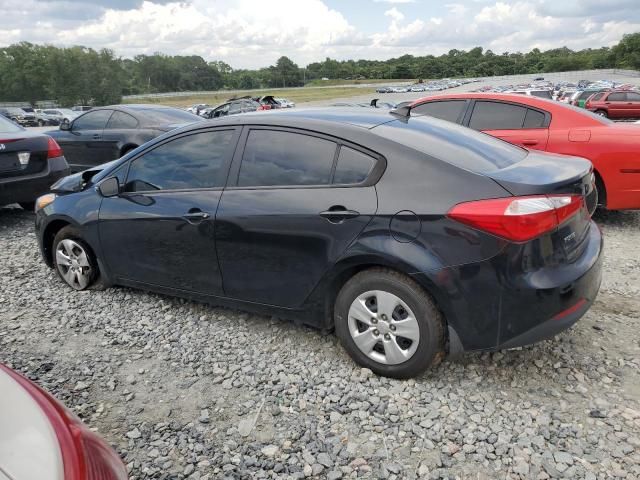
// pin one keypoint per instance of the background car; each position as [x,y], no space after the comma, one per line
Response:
[233,107]
[61,114]
[284,103]
[41,439]
[20,116]
[615,104]
[105,133]
[580,97]
[197,108]
[81,108]
[536,123]
[29,164]
[44,119]
[408,235]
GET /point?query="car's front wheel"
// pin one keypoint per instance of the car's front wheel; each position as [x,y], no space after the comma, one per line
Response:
[73,259]
[602,113]
[389,324]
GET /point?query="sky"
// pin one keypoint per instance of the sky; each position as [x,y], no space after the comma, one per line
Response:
[254,33]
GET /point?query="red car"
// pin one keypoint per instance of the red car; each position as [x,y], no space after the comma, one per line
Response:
[40,439]
[537,123]
[615,104]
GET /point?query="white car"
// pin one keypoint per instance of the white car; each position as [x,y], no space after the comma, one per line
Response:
[62,115]
[41,440]
[197,107]
[284,103]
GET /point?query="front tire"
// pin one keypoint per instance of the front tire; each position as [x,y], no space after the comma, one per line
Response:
[389,324]
[74,260]
[602,113]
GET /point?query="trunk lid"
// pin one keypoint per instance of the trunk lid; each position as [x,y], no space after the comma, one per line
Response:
[548,174]
[22,154]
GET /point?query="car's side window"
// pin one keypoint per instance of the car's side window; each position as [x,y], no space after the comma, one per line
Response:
[121,121]
[617,97]
[597,96]
[449,110]
[633,97]
[95,120]
[192,161]
[497,116]
[352,167]
[534,119]
[281,158]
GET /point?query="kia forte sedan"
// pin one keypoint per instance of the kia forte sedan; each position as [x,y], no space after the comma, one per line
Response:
[411,237]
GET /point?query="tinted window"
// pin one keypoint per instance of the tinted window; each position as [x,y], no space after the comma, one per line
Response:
[449,110]
[121,120]
[597,96]
[160,116]
[497,116]
[353,166]
[194,161]
[633,97]
[586,94]
[533,119]
[284,158]
[95,120]
[616,97]
[452,143]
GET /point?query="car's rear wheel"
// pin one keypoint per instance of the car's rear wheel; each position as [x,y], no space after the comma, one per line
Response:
[389,324]
[602,113]
[73,259]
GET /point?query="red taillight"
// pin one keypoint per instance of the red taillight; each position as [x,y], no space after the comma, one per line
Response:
[53,149]
[85,456]
[518,219]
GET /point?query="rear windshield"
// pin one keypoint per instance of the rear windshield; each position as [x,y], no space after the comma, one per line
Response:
[463,147]
[541,93]
[7,126]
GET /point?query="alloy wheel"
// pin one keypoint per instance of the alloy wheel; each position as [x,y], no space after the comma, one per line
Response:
[73,264]
[383,327]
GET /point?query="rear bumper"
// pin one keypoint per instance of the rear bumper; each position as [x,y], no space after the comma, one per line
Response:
[27,188]
[507,301]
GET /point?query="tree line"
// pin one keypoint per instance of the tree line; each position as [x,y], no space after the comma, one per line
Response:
[80,75]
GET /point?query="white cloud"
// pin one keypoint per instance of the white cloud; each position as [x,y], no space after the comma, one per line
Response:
[249,34]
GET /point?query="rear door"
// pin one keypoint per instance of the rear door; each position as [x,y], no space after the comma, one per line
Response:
[119,129]
[514,123]
[83,145]
[617,105]
[633,102]
[294,202]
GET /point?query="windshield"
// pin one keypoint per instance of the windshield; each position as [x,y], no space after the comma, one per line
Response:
[457,145]
[7,126]
[162,116]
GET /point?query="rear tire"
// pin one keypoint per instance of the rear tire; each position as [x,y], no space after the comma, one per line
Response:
[28,206]
[602,113]
[602,193]
[74,260]
[389,324]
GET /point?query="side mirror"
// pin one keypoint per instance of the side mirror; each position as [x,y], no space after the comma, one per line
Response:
[109,187]
[65,125]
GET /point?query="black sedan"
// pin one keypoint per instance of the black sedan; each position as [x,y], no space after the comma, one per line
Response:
[106,133]
[412,237]
[29,164]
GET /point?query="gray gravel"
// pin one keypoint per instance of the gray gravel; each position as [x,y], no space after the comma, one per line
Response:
[185,390]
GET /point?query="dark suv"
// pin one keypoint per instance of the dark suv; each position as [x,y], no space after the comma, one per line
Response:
[616,104]
[20,116]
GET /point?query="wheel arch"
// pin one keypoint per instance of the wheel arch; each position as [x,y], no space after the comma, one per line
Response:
[602,188]
[48,235]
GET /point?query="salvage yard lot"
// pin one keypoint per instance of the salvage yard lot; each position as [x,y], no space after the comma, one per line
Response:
[185,390]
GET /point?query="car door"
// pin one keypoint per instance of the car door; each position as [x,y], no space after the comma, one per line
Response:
[160,230]
[517,124]
[617,105]
[288,214]
[120,130]
[83,143]
[633,101]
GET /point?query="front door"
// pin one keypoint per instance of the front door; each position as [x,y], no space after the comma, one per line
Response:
[290,215]
[83,145]
[161,229]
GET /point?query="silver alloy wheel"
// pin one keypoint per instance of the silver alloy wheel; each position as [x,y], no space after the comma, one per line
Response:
[73,264]
[383,327]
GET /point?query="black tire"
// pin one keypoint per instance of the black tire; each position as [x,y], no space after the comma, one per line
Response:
[602,113]
[71,233]
[602,193]
[430,348]
[41,123]
[127,150]
[28,206]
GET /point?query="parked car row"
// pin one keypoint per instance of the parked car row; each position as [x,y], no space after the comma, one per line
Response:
[432,85]
[245,104]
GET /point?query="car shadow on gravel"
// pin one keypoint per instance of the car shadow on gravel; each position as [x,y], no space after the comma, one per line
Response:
[617,218]
[10,217]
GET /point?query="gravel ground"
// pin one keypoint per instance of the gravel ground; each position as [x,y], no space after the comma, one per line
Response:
[185,390]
